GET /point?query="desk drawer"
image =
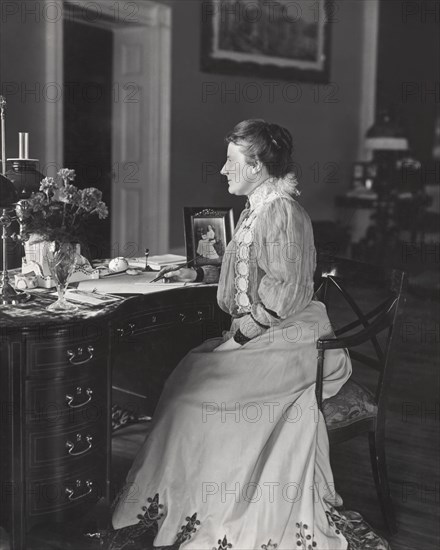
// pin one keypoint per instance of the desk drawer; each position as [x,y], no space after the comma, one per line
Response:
[64,357]
[185,315]
[65,448]
[57,496]
[75,401]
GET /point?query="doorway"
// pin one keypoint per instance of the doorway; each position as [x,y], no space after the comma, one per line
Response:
[117,137]
[88,76]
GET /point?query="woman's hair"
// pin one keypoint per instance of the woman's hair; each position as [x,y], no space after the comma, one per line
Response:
[269,143]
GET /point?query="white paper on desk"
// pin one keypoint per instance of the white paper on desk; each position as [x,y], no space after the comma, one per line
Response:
[130,284]
[157,262]
[88,297]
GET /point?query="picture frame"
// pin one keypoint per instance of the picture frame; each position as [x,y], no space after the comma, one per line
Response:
[283,40]
[208,230]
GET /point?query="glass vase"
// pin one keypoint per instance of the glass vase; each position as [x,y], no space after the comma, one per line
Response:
[61,259]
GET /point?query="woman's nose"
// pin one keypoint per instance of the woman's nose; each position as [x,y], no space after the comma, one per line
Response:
[223,171]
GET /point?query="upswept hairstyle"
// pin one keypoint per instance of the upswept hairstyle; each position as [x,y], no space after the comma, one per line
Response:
[270,144]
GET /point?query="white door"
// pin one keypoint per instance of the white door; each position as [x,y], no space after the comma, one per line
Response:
[140,140]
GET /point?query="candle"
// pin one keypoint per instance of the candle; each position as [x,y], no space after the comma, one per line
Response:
[2,115]
[23,145]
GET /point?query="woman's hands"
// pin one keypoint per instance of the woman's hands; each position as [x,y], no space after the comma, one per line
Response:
[174,273]
[229,345]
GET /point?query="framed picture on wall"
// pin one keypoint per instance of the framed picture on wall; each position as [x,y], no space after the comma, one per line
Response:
[208,231]
[283,39]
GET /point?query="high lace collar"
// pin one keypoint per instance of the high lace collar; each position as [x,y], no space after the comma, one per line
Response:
[261,193]
[273,187]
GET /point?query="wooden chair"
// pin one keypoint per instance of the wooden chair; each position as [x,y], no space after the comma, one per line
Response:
[357,409]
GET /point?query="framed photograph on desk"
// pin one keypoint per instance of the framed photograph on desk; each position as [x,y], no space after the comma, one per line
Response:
[208,231]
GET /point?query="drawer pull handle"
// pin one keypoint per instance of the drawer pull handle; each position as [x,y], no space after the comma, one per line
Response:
[71,446]
[126,331]
[70,398]
[71,492]
[75,357]
[196,317]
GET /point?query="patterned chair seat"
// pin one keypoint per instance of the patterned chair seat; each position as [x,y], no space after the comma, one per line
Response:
[352,403]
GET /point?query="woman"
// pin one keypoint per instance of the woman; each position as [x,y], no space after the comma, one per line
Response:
[238,453]
[205,247]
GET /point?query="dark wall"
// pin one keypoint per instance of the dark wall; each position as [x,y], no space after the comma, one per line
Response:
[22,79]
[325,128]
[408,77]
[324,131]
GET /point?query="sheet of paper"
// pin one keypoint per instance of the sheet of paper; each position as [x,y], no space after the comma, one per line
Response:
[128,284]
[89,297]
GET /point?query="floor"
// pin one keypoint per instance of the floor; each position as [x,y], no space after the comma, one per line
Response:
[413,443]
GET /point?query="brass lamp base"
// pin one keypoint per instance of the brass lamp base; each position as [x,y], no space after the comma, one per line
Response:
[10,296]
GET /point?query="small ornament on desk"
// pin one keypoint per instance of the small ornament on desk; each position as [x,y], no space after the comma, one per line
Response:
[118,265]
[147,254]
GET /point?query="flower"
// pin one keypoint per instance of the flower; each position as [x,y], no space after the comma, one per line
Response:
[57,212]
[101,210]
[39,202]
[70,195]
[66,174]
[48,185]
[90,198]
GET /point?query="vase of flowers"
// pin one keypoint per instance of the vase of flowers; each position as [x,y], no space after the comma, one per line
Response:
[55,216]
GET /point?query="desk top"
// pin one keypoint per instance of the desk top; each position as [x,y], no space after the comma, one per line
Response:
[34,313]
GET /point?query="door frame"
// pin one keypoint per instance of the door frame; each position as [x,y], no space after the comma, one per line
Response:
[150,15]
[369,40]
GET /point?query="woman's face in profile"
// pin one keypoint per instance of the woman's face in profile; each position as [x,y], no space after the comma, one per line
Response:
[241,177]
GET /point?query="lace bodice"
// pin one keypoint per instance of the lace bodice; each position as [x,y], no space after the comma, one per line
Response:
[267,270]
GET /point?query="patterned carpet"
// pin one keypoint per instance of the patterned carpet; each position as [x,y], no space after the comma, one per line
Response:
[359,535]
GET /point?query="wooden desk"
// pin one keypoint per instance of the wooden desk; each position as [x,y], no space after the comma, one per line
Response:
[56,375]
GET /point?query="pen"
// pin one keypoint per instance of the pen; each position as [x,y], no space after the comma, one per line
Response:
[162,276]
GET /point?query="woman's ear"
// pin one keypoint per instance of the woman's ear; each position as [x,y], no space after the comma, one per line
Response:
[257,167]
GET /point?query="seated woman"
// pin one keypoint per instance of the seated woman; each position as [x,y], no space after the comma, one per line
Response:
[238,454]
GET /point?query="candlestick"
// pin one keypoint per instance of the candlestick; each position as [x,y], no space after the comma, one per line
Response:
[3,137]
[23,145]
[8,295]
[147,267]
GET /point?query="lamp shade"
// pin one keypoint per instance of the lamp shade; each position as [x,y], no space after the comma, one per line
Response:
[386,135]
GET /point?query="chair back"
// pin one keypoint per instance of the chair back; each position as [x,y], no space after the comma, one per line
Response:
[370,296]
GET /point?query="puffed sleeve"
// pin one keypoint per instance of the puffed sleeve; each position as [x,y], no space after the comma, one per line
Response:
[285,254]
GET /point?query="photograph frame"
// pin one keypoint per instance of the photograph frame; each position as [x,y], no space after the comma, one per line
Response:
[205,242]
[215,60]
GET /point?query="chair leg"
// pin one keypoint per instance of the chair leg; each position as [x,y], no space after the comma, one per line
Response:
[378,464]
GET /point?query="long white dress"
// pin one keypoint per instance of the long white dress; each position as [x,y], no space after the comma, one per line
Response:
[237,438]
